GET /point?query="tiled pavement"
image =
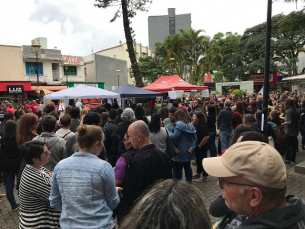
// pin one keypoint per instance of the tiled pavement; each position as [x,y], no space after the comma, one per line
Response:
[296,186]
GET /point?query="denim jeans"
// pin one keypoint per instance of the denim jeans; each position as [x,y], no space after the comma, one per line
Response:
[151,111]
[178,166]
[213,152]
[225,139]
[9,180]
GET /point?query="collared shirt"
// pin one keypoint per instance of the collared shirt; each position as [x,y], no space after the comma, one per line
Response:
[83,188]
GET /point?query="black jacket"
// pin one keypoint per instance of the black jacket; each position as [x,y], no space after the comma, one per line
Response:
[111,140]
[120,132]
[10,159]
[149,165]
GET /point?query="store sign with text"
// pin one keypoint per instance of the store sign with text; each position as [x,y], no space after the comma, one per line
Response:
[15,89]
[260,78]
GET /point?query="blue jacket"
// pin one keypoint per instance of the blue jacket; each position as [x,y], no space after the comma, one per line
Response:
[184,135]
[83,188]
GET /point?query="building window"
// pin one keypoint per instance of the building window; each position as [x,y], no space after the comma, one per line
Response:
[30,69]
[71,71]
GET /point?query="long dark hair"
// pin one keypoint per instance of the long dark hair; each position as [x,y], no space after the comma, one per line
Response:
[212,110]
[240,107]
[163,112]
[10,130]
[154,125]
[139,112]
[201,119]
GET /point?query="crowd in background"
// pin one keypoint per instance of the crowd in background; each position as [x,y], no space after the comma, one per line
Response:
[59,155]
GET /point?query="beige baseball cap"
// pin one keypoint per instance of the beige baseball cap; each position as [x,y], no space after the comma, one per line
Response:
[256,161]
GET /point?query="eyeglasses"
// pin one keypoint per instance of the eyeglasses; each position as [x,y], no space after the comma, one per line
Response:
[221,181]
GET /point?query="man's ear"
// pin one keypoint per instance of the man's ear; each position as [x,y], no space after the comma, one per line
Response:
[256,196]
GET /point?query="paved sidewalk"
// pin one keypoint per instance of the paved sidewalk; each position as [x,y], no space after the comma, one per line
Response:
[296,186]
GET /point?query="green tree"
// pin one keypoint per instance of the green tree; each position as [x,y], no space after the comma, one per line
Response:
[170,48]
[287,40]
[129,10]
[206,63]
[149,69]
[218,77]
[229,46]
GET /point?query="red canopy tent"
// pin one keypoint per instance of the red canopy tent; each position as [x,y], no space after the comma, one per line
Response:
[167,83]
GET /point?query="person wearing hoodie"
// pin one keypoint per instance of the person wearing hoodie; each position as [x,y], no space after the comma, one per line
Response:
[253,179]
[184,135]
[127,117]
[56,145]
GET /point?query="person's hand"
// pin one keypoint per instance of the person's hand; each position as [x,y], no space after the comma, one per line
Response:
[199,146]
[50,175]
[190,150]
[119,191]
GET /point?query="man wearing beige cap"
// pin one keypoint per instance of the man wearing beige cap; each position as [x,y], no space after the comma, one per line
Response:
[253,179]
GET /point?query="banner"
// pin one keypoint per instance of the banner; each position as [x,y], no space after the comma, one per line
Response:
[207,77]
[205,93]
[91,103]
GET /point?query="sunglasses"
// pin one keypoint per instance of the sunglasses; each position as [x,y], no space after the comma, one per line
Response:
[221,182]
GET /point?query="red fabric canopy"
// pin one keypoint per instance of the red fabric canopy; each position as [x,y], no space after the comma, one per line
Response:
[166,83]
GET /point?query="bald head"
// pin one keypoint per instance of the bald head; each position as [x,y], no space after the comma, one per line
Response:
[140,127]
[138,134]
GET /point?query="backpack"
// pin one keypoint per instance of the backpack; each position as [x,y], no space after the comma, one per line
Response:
[279,135]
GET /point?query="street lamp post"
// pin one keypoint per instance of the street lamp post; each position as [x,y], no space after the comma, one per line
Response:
[118,73]
[267,62]
[66,65]
[37,48]
[172,60]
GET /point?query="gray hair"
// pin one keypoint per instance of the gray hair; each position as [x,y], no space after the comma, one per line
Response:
[169,204]
[128,115]
[228,103]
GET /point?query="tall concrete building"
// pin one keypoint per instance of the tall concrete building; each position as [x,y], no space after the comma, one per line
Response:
[161,26]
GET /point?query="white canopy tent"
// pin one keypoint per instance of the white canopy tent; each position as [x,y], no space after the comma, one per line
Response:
[80,92]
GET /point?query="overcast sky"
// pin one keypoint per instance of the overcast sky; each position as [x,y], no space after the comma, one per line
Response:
[76,26]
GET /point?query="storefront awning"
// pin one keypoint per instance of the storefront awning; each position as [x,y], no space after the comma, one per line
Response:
[294,78]
[49,88]
[46,91]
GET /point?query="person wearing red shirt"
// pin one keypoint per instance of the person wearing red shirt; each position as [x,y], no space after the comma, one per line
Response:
[34,107]
[151,105]
[27,106]
[10,108]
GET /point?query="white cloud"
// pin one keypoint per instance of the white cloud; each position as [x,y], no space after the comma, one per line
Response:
[74,26]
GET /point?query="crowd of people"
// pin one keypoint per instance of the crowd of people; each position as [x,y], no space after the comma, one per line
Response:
[83,168]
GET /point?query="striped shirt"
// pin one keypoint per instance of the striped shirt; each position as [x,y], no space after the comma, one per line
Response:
[34,191]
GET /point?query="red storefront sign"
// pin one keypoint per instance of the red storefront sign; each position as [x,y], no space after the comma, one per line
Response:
[258,78]
[75,60]
[26,85]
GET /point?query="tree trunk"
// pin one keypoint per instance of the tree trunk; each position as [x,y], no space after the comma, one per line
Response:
[129,41]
